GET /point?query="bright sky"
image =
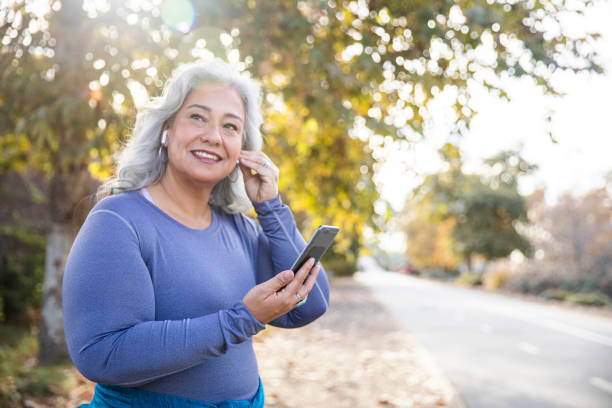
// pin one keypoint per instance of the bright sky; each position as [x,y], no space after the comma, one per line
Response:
[582,125]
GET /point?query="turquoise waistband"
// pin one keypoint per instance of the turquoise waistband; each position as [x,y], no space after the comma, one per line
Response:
[109,396]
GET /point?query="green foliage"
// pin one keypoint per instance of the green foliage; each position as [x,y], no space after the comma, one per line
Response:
[338,266]
[555,294]
[484,210]
[470,279]
[22,269]
[21,377]
[486,223]
[66,87]
[22,246]
[589,299]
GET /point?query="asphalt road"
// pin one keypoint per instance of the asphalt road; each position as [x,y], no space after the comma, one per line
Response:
[500,351]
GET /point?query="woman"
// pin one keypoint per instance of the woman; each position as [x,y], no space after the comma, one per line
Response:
[167,282]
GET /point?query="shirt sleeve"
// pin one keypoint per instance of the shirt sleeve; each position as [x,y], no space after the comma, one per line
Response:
[278,247]
[109,312]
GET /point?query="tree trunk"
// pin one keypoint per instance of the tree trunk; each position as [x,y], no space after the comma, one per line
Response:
[68,192]
[52,344]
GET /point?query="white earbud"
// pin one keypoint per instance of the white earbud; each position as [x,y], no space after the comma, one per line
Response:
[163,138]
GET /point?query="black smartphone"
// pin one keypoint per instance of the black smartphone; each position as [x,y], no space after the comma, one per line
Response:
[319,243]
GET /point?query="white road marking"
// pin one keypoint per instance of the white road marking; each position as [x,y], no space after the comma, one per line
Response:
[576,332]
[529,348]
[601,384]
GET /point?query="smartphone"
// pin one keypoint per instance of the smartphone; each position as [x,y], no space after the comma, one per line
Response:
[319,243]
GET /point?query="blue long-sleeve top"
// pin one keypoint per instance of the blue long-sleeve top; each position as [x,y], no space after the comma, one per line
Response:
[152,304]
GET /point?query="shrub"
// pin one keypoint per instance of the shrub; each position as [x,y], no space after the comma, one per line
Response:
[496,279]
[470,278]
[21,271]
[23,380]
[340,267]
[555,294]
[537,278]
[588,299]
[23,225]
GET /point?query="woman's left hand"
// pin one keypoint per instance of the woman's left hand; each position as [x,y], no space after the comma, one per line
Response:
[263,185]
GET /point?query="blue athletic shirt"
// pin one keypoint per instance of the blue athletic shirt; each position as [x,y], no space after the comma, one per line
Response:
[152,304]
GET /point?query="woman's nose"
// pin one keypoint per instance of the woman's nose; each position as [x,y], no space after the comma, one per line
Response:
[211,135]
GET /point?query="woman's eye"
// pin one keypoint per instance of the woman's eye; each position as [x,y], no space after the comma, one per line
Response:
[231,126]
[197,117]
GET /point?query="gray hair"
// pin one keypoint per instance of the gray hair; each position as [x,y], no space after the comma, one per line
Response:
[141,163]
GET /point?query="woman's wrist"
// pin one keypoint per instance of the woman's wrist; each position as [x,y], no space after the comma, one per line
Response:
[263,207]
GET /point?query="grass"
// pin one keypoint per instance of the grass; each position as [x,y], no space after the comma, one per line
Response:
[24,381]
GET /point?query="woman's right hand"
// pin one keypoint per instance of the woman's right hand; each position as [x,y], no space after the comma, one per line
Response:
[279,295]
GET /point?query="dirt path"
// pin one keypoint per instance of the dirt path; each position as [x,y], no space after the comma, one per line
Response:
[354,356]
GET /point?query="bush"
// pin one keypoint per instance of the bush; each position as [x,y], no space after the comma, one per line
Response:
[555,294]
[339,267]
[23,379]
[589,299]
[537,278]
[496,279]
[470,278]
[23,224]
[605,282]
[22,257]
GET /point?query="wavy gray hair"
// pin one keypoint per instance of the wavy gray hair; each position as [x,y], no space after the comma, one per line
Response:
[138,162]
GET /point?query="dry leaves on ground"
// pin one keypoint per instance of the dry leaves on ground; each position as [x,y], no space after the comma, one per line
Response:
[354,356]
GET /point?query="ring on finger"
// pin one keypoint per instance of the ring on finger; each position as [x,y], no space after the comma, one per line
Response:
[266,164]
[301,300]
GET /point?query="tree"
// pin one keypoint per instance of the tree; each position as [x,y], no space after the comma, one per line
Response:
[484,211]
[429,239]
[486,223]
[57,113]
[574,235]
[334,73]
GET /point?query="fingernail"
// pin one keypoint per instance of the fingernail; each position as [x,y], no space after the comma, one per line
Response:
[288,275]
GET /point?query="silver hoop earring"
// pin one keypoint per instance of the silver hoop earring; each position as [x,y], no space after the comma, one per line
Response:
[163,140]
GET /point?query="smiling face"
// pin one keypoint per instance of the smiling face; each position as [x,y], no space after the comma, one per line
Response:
[205,137]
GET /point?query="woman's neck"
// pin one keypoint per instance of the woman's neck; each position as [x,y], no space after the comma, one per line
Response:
[186,202]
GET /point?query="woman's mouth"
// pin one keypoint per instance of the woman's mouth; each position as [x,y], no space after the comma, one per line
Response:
[205,157]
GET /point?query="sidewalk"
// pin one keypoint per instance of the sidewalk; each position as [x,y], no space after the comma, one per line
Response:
[354,356]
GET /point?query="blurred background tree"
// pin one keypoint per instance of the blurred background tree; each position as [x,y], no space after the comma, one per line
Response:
[572,239]
[469,214]
[335,74]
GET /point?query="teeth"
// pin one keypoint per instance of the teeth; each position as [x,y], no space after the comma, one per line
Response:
[206,155]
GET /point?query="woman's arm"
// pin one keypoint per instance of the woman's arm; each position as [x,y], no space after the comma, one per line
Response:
[109,312]
[278,247]
[281,243]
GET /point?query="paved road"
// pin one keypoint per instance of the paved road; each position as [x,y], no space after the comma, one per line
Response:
[500,351]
